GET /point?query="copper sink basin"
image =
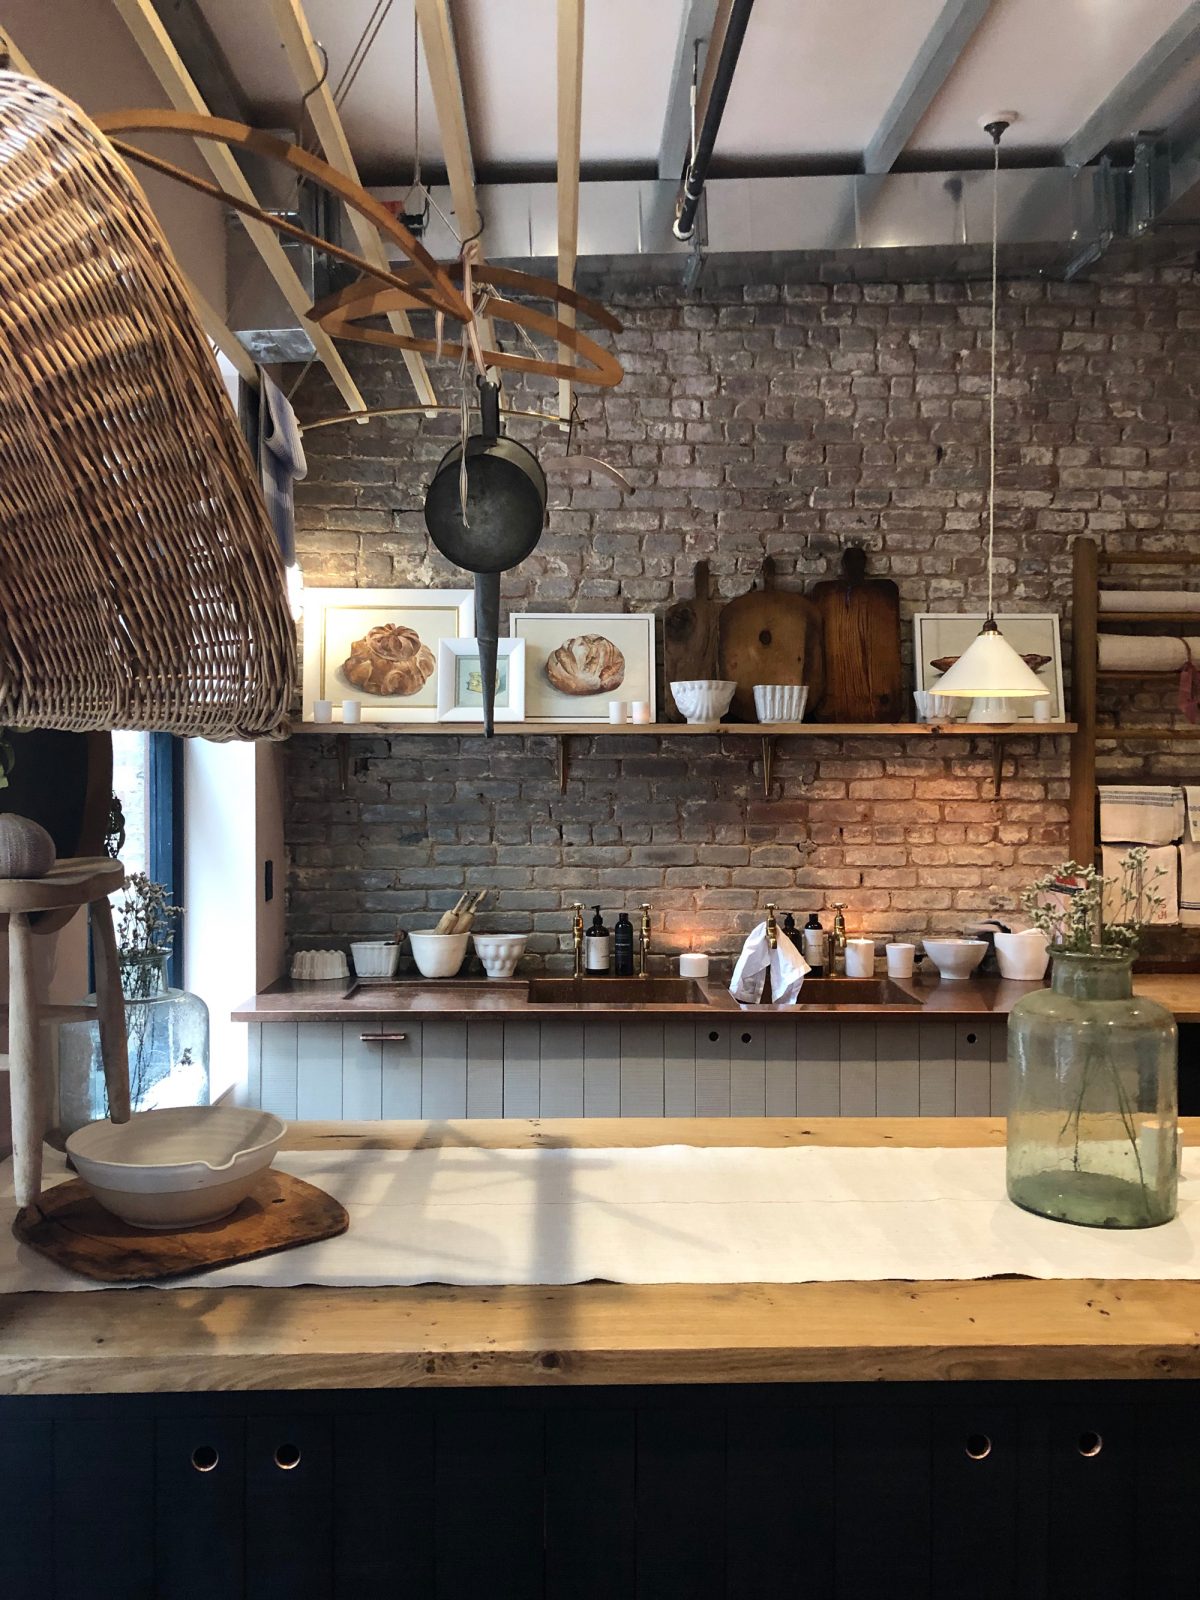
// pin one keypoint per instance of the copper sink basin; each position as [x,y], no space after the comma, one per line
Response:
[651,991]
[854,992]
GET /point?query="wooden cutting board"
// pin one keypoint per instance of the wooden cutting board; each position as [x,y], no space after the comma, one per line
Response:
[690,639]
[769,635]
[860,630]
[70,1228]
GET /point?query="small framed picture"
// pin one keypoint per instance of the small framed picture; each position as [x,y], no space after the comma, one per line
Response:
[460,681]
[940,637]
[577,661]
[380,646]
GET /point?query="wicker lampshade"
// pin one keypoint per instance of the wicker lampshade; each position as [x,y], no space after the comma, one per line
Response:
[140,582]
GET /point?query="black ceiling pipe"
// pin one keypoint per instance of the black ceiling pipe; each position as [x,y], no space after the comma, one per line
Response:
[696,169]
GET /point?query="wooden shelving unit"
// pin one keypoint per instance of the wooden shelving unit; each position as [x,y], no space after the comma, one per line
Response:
[768,733]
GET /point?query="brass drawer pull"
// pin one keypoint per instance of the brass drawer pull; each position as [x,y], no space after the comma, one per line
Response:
[385,1038]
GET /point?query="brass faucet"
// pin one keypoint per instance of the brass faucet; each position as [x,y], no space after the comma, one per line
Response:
[577,937]
[837,939]
[772,928]
[644,942]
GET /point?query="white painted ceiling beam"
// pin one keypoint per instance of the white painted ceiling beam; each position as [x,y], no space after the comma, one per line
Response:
[307,69]
[936,60]
[155,44]
[1119,115]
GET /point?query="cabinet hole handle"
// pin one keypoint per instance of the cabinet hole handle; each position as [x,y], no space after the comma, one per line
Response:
[287,1456]
[1089,1444]
[714,1036]
[972,1038]
[382,1038]
[746,1037]
[205,1457]
[978,1446]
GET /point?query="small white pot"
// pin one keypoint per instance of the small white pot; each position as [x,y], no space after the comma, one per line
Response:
[703,699]
[780,702]
[1023,956]
[499,952]
[438,955]
[375,958]
[955,958]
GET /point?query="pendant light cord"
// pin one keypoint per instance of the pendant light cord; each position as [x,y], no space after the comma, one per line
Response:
[991,540]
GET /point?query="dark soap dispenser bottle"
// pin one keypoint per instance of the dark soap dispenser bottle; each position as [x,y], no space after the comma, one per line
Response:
[597,946]
[816,945]
[623,947]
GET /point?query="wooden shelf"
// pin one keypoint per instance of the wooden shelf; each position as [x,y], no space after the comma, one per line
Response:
[1149,616]
[1144,731]
[1164,673]
[756,730]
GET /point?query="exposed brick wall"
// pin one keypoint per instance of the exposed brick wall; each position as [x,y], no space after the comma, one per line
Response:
[784,419]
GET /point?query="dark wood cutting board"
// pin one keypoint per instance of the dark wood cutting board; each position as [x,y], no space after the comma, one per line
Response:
[71,1229]
[769,635]
[860,630]
[690,639]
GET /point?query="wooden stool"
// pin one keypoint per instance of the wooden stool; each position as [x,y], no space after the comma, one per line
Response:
[72,882]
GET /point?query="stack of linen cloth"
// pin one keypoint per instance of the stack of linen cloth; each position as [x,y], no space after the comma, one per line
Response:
[1166,819]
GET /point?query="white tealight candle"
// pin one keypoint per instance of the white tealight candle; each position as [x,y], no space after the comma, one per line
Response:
[351,710]
[693,964]
[322,710]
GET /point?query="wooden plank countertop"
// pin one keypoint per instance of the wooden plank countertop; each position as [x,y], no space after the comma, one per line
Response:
[168,1340]
[289,1001]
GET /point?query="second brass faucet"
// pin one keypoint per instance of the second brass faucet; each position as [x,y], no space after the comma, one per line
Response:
[644,943]
[577,937]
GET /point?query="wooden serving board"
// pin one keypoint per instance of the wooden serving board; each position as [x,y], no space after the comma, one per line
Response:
[769,635]
[690,639]
[71,1229]
[860,630]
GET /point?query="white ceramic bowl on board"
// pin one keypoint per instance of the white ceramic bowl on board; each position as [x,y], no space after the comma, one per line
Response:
[438,955]
[499,952]
[176,1168]
[703,699]
[375,958]
[780,702]
[955,958]
[1023,956]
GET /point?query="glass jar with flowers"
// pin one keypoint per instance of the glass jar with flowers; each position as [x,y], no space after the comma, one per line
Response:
[167,1028]
[1093,1110]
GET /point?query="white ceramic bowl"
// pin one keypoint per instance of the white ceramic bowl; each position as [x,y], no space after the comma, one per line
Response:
[780,702]
[175,1168]
[499,952]
[703,699]
[938,707]
[375,958]
[438,955]
[1023,956]
[955,958]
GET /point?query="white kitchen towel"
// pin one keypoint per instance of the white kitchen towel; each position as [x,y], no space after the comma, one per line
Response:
[1191,799]
[1150,600]
[1141,813]
[1165,856]
[1136,652]
[1189,882]
[787,967]
[673,1214]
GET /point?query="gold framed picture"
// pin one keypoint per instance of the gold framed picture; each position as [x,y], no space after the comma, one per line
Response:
[380,646]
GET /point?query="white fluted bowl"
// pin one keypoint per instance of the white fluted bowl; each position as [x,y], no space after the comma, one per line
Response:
[703,699]
[780,702]
[375,958]
[499,952]
[1023,956]
[438,955]
[175,1168]
[955,958]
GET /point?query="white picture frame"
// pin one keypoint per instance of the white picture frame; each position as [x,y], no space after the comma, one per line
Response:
[335,620]
[629,635]
[947,633]
[460,701]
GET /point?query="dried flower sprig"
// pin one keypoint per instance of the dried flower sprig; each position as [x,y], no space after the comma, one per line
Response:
[1067,905]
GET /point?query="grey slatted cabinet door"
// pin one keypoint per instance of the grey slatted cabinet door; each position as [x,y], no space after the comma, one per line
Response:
[401,1063]
[972,1069]
[858,1069]
[562,1067]
[679,1067]
[747,1068]
[601,1067]
[319,1071]
[254,1064]
[999,1070]
[818,1069]
[279,1041]
[522,1068]
[443,1068]
[897,1071]
[362,1073]
[712,1067]
[642,1093]
[485,1068]
[779,1069]
[936,1040]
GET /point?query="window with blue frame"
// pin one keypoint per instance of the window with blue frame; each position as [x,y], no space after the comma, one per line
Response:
[148,783]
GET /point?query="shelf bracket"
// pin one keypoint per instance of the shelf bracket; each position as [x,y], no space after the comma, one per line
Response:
[768,758]
[997,766]
[343,760]
[560,762]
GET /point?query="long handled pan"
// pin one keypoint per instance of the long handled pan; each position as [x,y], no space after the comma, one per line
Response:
[506,511]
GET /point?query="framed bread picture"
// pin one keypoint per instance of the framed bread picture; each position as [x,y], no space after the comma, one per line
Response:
[380,647]
[577,661]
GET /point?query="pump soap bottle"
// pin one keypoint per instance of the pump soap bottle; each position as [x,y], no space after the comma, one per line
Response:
[623,947]
[597,945]
[816,945]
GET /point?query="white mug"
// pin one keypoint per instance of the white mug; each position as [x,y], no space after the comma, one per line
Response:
[1041,709]
[639,710]
[351,710]
[860,958]
[900,959]
[322,710]
[617,711]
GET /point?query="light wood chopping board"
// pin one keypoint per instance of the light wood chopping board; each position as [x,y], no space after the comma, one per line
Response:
[690,639]
[769,635]
[860,630]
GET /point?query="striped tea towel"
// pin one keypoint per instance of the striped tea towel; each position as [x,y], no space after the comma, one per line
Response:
[1141,814]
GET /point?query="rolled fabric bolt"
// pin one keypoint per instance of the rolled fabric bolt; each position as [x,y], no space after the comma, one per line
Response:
[639,710]
[322,710]
[351,710]
[860,958]
[1150,600]
[1134,652]
[693,964]
[900,959]
[618,711]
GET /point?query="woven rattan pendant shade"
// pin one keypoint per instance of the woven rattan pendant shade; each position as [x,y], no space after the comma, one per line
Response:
[140,581]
